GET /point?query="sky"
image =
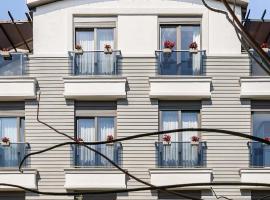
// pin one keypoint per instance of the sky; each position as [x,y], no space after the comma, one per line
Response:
[18,9]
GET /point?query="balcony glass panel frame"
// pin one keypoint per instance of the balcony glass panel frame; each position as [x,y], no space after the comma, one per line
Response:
[180,62]
[255,68]
[85,158]
[95,62]
[259,155]
[15,65]
[181,155]
[11,155]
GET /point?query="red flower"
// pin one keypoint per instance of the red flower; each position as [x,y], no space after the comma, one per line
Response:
[267,139]
[193,45]
[107,46]
[5,49]
[78,47]
[166,138]
[195,139]
[169,44]
[5,139]
[109,138]
[79,140]
[264,45]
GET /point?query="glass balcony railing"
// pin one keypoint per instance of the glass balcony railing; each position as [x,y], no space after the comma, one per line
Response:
[15,65]
[256,69]
[84,157]
[95,63]
[259,154]
[181,154]
[180,62]
[12,155]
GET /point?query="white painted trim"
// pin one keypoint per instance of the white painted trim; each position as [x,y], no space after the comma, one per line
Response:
[256,175]
[180,88]
[255,87]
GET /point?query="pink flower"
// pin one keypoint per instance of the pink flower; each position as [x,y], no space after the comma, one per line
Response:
[5,139]
[79,140]
[267,139]
[169,44]
[107,46]
[195,139]
[193,45]
[78,47]
[264,45]
[109,138]
[166,138]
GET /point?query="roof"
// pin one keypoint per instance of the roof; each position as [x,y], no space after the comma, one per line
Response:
[35,3]
[259,30]
[13,38]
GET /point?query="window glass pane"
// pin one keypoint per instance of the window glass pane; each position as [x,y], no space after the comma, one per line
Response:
[86,129]
[189,120]
[168,33]
[261,124]
[261,128]
[169,122]
[8,128]
[105,127]
[85,64]
[22,128]
[85,38]
[105,61]
[189,34]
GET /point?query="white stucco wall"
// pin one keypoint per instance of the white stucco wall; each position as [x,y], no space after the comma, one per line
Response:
[137,26]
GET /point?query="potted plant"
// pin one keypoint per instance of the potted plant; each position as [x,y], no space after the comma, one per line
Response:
[110,139]
[166,139]
[6,54]
[195,140]
[168,46]
[78,49]
[193,47]
[265,47]
[5,141]
[108,49]
[79,140]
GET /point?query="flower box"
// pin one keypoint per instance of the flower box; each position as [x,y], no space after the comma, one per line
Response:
[5,144]
[194,142]
[6,55]
[193,50]
[110,139]
[78,49]
[265,50]
[166,143]
[167,50]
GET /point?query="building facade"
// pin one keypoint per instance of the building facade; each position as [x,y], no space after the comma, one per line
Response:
[134,86]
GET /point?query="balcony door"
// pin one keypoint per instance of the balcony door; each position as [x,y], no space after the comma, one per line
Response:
[261,128]
[90,130]
[179,153]
[181,62]
[92,41]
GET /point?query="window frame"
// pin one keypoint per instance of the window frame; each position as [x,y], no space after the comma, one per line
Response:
[178,33]
[96,124]
[19,119]
[88,29]
[179,114]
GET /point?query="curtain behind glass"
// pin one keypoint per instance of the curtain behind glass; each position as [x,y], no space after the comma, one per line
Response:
[9,155]
[105,128]
[86,131]
[85,63]
[189,152]
[171,152]
[261,128]
[105,61]
[168,61]
[190,62]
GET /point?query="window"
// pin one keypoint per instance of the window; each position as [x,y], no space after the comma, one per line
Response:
[179,153]
[182,35]
[180,61]
[95,129]
[260,155]
[93,60]
[13,128]
[174,119]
